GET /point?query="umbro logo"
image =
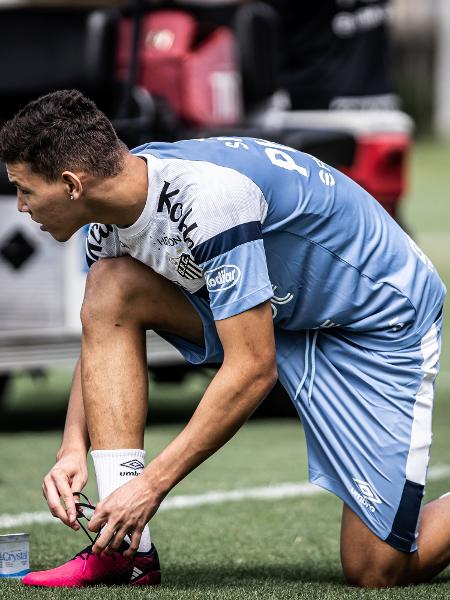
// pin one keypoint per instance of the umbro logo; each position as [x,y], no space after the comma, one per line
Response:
[133,464]
[367,491]
[365,494]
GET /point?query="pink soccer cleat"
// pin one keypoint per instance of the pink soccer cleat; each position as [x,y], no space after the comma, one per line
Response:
[87,569]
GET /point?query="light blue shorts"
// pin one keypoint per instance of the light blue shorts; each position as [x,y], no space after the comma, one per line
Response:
[366,415]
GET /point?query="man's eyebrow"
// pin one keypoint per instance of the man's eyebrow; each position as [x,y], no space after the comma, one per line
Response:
[16,183]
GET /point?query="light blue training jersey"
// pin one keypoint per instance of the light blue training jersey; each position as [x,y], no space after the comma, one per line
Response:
[264,221]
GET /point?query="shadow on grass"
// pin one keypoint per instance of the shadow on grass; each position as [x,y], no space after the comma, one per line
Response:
[236,576]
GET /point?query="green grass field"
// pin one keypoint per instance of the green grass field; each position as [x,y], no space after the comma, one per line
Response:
[271,549]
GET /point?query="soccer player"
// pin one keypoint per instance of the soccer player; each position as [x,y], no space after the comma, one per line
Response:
[263,258]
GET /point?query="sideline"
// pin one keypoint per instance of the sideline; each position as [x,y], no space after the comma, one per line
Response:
[270,492]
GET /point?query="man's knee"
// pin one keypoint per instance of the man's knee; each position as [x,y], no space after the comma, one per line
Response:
[368,561]
[114,287]
[374,574]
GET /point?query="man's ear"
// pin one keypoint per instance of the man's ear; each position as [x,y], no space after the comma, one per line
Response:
[73,185]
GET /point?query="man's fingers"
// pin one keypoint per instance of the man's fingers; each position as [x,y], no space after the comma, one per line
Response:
[52,495]
[103,541]
[62,484]
[116,541]
[77,485]
[134,545]
[69,501]
[99,518]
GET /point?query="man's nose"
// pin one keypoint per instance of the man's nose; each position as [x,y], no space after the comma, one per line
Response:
[21,206]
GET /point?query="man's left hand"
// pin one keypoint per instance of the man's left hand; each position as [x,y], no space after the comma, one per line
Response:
[124,512]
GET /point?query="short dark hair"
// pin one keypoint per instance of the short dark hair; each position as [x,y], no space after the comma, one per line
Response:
[59,131]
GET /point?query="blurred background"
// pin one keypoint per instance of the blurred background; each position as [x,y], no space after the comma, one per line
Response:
[362,84]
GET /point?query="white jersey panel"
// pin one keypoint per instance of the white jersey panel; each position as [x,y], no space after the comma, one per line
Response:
[220,198]
[190,204]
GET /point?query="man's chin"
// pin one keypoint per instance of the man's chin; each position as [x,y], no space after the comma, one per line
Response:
[61,237]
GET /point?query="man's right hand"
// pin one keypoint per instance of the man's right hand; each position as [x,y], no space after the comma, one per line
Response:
[68,475]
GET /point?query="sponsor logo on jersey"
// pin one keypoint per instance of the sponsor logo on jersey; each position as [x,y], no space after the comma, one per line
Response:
[222,278]
[187,268]
[176,213]
[97,233]
[365,494]
[169,241]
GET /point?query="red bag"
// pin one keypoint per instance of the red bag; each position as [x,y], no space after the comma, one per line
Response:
[201,83]
[379,167]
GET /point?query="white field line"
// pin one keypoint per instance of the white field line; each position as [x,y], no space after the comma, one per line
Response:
[271,492]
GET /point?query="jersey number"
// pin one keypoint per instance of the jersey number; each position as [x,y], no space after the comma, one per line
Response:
[279,158]
[276,153]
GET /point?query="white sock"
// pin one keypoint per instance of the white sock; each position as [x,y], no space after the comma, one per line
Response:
[113,468]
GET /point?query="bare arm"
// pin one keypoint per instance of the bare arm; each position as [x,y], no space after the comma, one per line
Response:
[244,379]
[246,376]
[76,436]
[69,474]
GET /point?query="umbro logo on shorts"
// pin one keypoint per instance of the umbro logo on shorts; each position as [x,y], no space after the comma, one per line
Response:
[365,494]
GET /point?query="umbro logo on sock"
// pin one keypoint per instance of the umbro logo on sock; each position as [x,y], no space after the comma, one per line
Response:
[131,464]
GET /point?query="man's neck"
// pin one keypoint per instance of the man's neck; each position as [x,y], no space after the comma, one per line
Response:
[120,200]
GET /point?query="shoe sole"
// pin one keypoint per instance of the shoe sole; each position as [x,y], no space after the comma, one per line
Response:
[153,578]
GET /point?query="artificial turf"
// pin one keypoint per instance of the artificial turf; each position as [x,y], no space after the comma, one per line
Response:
[248,549]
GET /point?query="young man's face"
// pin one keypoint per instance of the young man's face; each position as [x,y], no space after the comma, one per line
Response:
[47,203]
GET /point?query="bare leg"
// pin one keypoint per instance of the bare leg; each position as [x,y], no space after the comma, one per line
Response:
[367,561]
[124,298]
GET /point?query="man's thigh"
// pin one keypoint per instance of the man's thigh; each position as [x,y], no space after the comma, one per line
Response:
[367,421]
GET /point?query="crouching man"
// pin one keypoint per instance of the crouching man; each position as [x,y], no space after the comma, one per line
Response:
[252,254]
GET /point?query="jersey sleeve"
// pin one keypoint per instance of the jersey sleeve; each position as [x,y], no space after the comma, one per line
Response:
[228,244]
[102,241]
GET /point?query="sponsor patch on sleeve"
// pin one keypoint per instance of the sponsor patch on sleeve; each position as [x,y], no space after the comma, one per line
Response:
[222,278]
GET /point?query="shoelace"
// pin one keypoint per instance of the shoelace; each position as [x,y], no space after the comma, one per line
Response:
[86,552]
